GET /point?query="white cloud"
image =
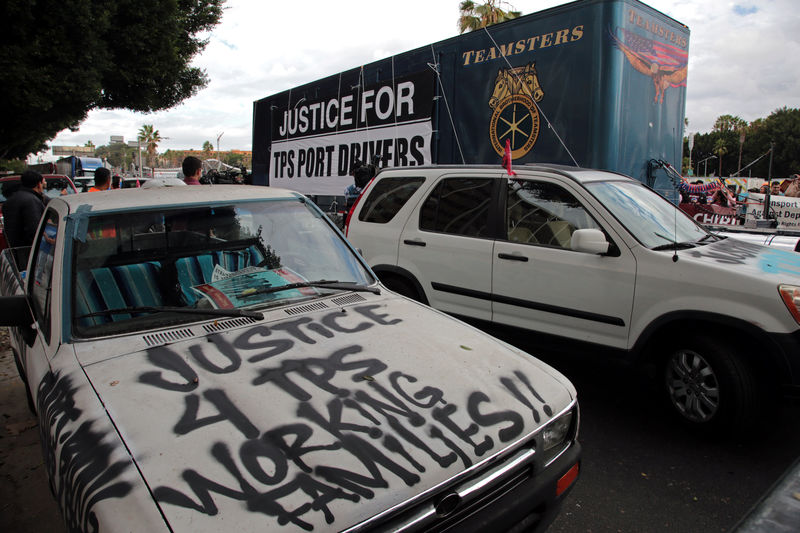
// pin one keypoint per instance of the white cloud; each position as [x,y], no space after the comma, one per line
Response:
[744,59]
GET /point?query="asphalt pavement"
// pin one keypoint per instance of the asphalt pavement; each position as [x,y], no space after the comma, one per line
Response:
[25,501]
[642,471]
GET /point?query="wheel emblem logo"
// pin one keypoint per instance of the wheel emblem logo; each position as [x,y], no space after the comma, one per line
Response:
[515,114]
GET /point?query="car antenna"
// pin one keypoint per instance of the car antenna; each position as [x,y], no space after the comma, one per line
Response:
[675,213]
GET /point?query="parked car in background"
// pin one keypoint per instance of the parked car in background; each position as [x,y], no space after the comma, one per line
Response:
[54,185]
[784,239]
[598,262]
[84,183]
[220,358]
[132,183]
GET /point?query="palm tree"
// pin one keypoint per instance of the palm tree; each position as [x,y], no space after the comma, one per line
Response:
[208,147]
[150,138]
[720,149]
[475,16]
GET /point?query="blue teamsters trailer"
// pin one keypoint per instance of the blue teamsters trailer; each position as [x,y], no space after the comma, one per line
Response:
[593,83]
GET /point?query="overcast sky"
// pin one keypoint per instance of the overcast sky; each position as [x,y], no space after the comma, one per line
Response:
[744,59]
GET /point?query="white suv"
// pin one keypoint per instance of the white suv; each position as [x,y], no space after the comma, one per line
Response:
[594,257]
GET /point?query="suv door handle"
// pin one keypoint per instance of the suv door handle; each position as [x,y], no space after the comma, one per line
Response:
[414,242]
[513,257]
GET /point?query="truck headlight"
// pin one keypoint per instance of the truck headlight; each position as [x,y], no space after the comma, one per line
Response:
[557,431]
[791,297]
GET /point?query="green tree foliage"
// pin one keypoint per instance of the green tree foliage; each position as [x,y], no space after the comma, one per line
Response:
[474,16]
[782,128]
[231,158]
[208,147]
[118,155]
[729,123]
[12,166]
[720,150]
[150,138]
[64,58]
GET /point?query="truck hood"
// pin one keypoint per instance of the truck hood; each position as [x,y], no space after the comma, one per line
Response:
[323,419]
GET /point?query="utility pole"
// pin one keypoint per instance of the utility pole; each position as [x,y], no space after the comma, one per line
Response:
[139,151]
[769,183]
[741,145]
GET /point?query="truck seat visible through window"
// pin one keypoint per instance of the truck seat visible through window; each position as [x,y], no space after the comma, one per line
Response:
[98,289]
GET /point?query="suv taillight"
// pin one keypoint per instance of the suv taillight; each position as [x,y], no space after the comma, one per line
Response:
[352,209]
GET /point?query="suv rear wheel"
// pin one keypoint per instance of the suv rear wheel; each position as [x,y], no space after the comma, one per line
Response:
[709,384]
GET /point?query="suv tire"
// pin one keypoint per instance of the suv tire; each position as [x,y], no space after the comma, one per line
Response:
[402,287]
[709,384]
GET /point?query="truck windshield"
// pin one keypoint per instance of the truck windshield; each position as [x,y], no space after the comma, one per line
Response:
[140,270]
[650,218]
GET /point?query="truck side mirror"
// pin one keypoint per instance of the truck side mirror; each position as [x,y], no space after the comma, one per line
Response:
[591,241]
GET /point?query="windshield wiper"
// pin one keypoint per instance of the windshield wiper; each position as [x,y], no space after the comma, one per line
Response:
[183,310]
[672,244]
[323,283]
[709,236]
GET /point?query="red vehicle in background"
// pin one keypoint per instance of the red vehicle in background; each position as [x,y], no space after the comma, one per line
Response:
[54,185]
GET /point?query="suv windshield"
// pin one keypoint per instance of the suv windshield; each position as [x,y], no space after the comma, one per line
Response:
[159,267]
[651,219]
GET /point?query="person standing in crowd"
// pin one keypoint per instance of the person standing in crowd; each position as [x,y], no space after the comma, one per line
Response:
[794,186]
[116,182]
[22,211]
[192,170]
[724,197]
[775,188]
[102,180]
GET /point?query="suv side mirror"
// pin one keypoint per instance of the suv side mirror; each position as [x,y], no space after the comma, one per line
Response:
[15,312]
[591,241]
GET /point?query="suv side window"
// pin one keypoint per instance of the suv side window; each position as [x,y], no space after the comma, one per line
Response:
[42,272]
[387,197]
[458,206]
[540,212]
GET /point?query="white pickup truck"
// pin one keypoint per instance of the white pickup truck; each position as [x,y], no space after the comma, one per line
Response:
[218,358]
[597,260]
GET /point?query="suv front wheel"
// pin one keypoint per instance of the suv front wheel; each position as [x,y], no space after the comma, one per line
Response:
[402,286]
[709,384]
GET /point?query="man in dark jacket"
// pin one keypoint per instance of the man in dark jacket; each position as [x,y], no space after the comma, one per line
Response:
[21,212]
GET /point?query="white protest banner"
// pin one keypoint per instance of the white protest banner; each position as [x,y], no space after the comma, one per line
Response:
[785,209]
[321,164]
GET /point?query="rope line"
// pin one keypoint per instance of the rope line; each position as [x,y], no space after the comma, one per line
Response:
[435,67]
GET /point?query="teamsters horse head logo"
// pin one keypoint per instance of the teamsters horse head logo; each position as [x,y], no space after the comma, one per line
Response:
[515,115]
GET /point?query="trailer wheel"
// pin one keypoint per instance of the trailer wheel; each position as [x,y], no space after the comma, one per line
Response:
[709,384]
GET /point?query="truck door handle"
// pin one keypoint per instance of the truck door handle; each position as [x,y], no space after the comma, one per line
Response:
[414,242]
[513,257]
